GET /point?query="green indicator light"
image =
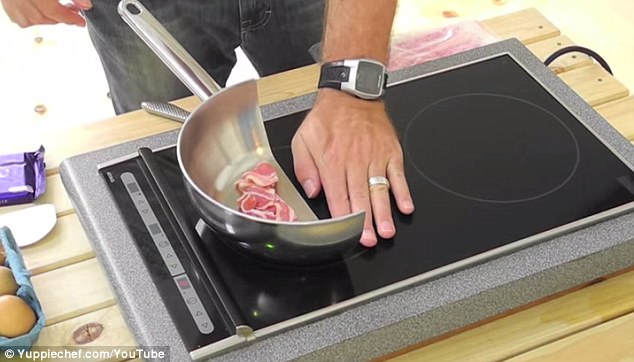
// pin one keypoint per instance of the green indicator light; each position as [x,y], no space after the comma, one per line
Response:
[270,245]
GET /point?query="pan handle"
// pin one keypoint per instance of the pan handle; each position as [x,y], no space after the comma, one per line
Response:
[168,49]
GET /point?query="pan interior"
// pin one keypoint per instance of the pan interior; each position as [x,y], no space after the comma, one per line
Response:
[223,138]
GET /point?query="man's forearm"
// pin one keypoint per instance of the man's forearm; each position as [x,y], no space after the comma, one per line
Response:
[358,29]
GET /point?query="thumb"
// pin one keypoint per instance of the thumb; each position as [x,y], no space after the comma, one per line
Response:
[305,168]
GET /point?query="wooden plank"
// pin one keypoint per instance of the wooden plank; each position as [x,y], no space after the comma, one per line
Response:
[294,83]
[530,328]
[545,48]
[101,134]
[66,244]
[594,84]
[610,341]
[115,333]
[276,87]
[8,209]
[527,25]
[56,194]
[72,291]
[620,114]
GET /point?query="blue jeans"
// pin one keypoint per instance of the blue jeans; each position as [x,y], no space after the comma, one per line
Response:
[274,34]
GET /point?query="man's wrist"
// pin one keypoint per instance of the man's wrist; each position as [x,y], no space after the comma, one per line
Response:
[364,78]
[336,98]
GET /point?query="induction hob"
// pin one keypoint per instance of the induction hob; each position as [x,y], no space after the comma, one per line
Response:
[495,163]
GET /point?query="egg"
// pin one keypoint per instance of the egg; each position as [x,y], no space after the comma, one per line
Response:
[3,255]
[7,281]
[16,316]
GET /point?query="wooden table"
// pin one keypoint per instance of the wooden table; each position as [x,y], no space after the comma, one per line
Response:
[594,321]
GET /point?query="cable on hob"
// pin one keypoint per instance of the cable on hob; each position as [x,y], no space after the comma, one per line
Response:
[575,48]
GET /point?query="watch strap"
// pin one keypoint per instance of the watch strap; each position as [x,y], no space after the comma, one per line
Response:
[333,74]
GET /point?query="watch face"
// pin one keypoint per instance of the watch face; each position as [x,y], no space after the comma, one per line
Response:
[369,78]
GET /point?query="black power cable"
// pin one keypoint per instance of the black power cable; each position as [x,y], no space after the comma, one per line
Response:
[579,49]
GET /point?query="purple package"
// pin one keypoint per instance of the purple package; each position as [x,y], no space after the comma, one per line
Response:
[22,177]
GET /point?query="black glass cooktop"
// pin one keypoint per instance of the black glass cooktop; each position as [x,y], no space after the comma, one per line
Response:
[491,159]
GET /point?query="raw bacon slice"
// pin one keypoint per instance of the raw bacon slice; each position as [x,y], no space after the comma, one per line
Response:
[258,196]
[255,197]
[263,175]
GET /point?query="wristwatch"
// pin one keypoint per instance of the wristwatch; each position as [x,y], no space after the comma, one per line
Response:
[364,78]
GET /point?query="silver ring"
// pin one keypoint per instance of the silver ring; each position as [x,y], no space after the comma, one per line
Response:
[378,180]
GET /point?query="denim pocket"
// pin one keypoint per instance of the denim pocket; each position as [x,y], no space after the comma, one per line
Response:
[254,14]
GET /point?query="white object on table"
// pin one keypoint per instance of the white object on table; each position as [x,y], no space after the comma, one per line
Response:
[31,224]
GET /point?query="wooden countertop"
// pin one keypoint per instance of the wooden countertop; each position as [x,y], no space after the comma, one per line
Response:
[593,322]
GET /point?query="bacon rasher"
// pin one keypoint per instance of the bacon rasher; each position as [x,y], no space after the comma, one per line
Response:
[258,196]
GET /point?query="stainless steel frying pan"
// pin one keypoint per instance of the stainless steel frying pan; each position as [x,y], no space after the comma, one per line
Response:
[224,137]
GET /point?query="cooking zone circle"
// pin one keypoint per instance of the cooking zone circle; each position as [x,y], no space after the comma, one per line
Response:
[491,148]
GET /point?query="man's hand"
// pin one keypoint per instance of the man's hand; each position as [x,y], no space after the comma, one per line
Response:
[345,140]
[341,144]
[26,13]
